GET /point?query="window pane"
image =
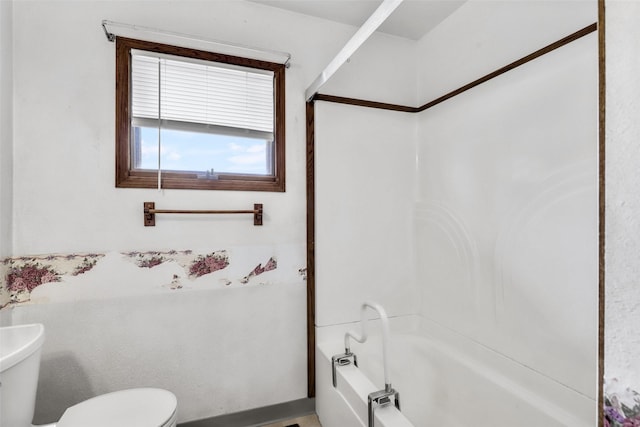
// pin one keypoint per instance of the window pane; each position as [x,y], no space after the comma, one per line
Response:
[201,152]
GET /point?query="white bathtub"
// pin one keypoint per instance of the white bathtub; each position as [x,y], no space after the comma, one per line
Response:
[443,380]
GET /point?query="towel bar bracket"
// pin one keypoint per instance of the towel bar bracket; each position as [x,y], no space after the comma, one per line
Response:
[149,217]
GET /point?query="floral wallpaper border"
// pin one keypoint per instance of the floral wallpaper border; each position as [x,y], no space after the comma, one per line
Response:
[23,274]
[621,405]
[19,276]
[195,265]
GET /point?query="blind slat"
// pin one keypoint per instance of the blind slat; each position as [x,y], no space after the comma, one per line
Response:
[199,93]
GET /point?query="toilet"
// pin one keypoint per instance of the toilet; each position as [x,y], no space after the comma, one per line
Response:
[20,352]
[137,407]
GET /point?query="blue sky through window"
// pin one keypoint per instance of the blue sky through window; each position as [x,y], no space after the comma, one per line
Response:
[196,151]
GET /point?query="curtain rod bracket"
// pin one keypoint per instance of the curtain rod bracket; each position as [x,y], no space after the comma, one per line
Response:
[110,36]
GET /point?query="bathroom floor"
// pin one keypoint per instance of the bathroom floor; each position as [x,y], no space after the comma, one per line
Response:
[308,421]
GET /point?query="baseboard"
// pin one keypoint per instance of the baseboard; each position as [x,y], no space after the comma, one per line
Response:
[258,416]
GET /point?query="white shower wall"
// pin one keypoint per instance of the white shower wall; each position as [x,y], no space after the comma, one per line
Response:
[491,197]
[499,217]
[365,175]
[365,185]
[507,212]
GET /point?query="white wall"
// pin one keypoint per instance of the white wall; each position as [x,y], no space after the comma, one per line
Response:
[507,217]
[219,352]
[482,36]
[65,163]
[365,186]
[383,69]
[220,348]
[622,310]
[6,127]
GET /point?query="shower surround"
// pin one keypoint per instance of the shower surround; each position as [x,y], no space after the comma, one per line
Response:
[492,195]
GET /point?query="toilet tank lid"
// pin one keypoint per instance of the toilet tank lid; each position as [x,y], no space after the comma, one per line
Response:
[142,407]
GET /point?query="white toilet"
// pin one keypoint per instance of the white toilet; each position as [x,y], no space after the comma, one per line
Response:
[20,348]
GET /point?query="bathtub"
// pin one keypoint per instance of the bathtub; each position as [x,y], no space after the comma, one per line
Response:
[443,379]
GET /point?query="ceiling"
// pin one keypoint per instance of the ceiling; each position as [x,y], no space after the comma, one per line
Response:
[411,20]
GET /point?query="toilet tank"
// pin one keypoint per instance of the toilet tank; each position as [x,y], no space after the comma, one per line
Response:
[20,348]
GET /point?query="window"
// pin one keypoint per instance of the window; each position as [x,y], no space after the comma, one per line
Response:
[197,120]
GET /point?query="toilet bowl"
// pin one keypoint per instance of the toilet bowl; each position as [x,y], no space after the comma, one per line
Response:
[19,367]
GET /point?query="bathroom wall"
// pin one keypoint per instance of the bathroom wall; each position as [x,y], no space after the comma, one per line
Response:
[507,211]
[211,308]
[365,175]
[6,127]
[66,163]
[482,36]
[382,69]
[622,299]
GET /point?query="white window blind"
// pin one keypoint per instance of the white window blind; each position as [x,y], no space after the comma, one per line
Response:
[201,96]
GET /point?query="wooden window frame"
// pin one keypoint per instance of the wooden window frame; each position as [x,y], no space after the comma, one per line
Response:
[128,178]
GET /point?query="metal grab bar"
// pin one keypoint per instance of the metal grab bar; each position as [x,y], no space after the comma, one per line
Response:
[381,397]
[363,337]
[150,213]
